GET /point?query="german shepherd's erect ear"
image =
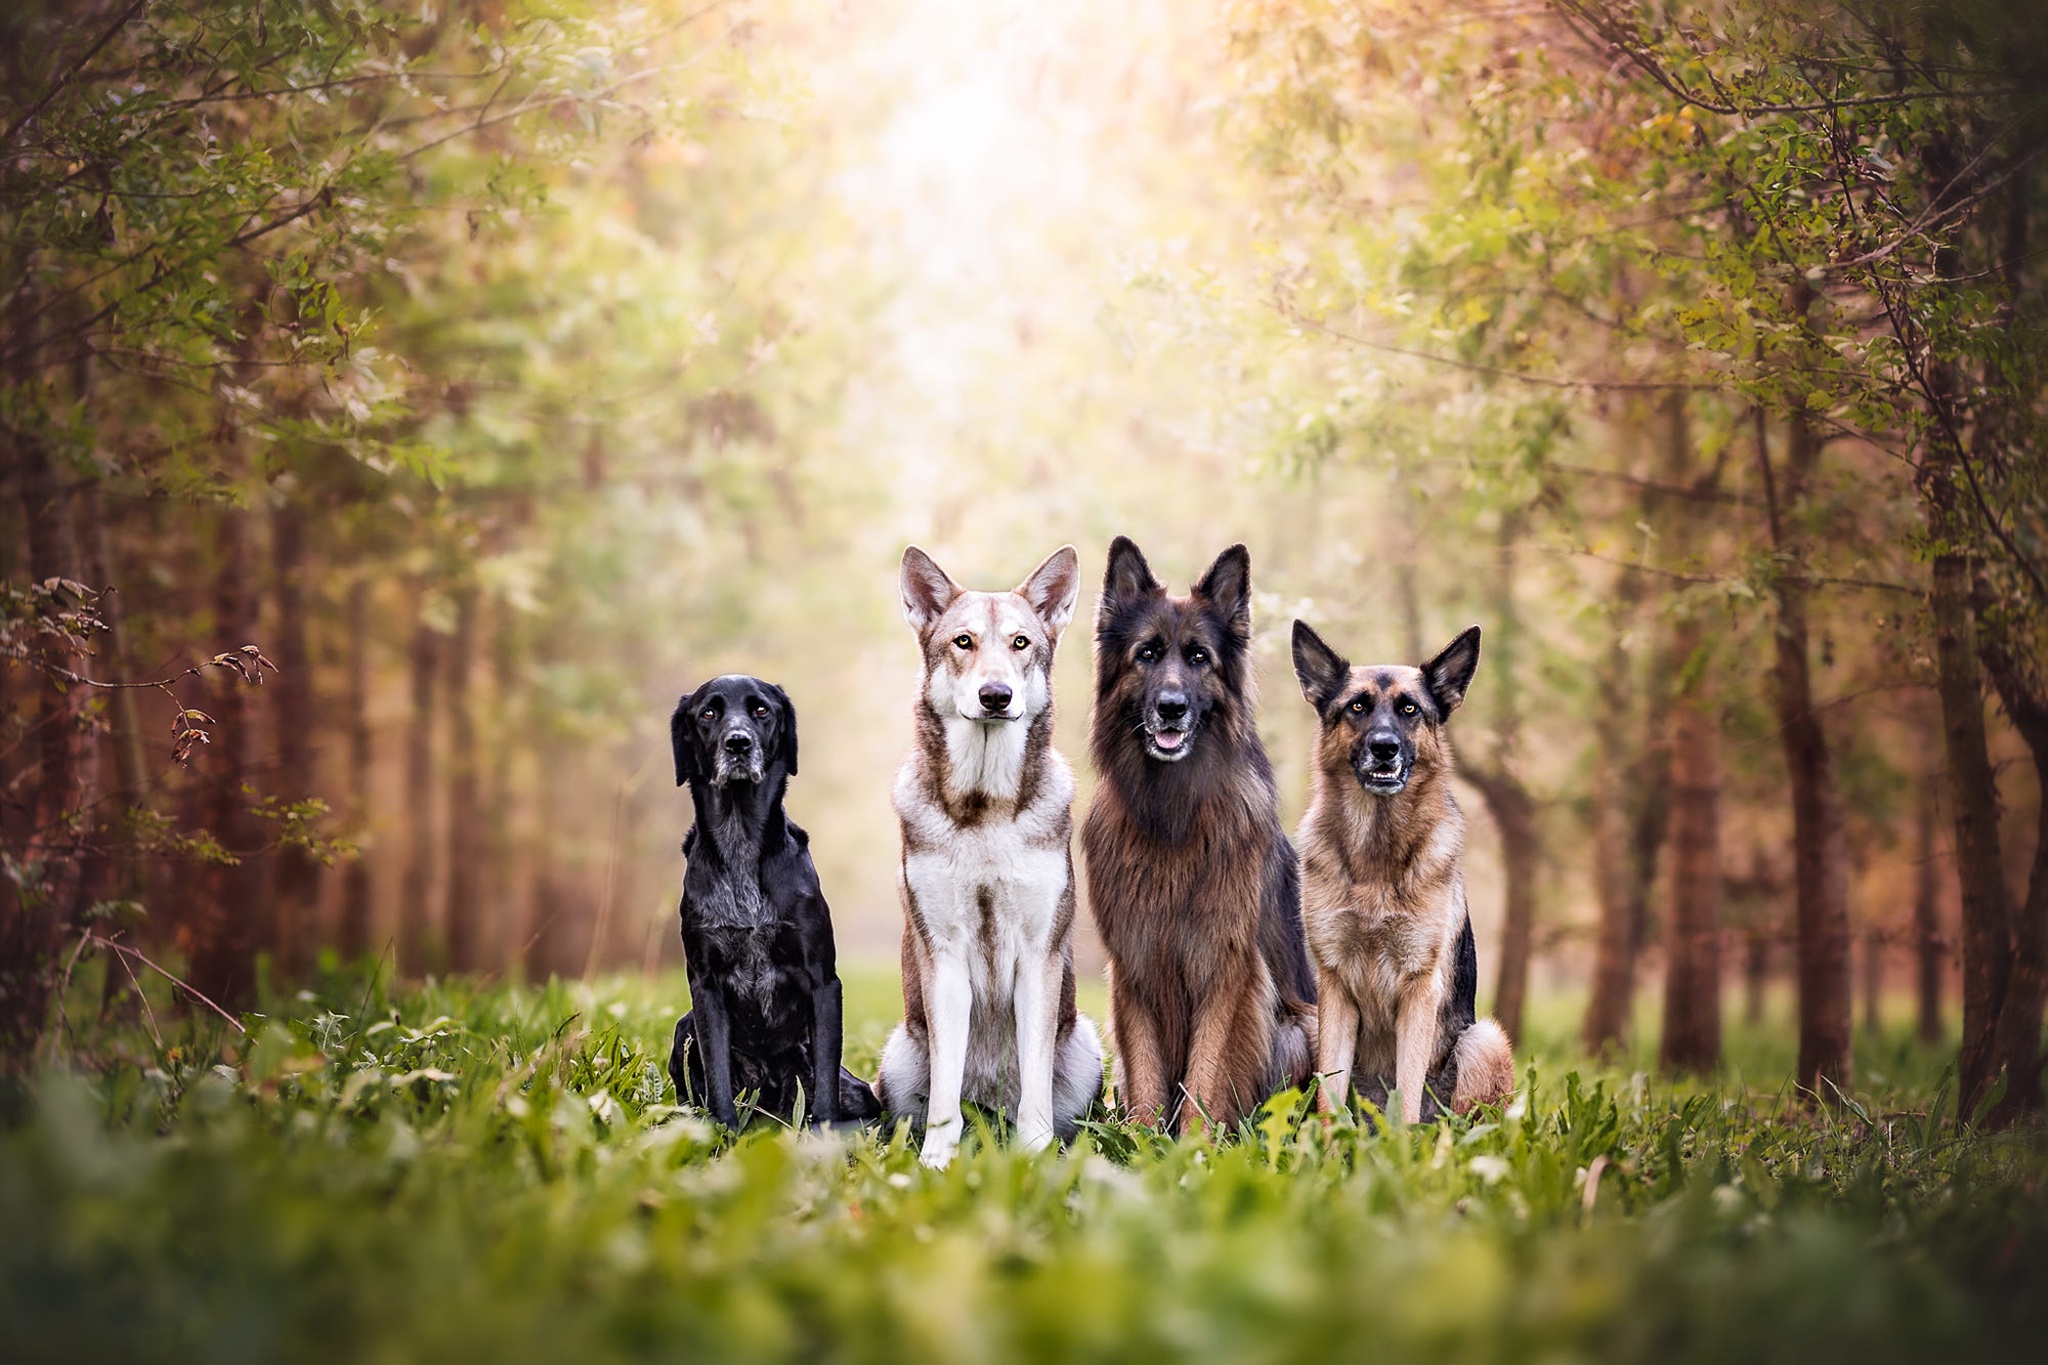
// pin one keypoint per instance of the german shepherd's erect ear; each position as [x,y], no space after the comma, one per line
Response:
[1128,578]
[927,591]
[1450,673]
[785,746]
[1320,670]
[680,741]
[1228,585]
[1052,588]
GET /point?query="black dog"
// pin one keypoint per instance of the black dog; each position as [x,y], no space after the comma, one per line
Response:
[757,937]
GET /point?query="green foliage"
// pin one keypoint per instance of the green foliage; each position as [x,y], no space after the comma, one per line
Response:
[498,1172]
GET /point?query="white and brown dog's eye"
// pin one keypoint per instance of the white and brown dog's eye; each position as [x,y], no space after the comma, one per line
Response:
[964,641]
[1020,643]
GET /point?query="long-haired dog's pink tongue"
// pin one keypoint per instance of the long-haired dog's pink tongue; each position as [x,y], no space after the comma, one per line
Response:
[1169,739]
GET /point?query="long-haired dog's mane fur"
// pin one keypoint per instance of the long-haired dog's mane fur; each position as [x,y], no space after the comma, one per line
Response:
[1192,882]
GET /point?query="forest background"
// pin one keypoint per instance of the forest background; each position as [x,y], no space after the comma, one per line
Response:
[404,404]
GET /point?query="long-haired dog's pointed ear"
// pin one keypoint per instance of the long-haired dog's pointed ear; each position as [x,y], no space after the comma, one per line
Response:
[1053,586]
[679,740]
[927,591]
[1228,584]
[1450,673]
[1127,578]
[1320,670]
[785,745]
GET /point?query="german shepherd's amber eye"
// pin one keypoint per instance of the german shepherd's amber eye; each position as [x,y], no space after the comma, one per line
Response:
[1358,707]
[964,641]
[1020,643]
[1407,708]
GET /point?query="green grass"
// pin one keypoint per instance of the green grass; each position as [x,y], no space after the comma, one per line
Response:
[496,1173]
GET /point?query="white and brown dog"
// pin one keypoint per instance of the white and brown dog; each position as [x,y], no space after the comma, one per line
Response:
[988,878]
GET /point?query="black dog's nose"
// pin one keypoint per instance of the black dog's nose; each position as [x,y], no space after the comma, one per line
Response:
[1172,706]
[1383,748]
[995,697]
[738,742]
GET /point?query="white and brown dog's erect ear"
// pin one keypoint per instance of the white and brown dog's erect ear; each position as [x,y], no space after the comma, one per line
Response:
[1228,585]
[1320,670]
[1127,579]
[1450,673]
[927,591]
[1052,588]
[680,740]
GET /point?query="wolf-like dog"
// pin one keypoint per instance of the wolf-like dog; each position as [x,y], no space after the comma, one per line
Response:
[1383,898]
[988,875]
[1190,878]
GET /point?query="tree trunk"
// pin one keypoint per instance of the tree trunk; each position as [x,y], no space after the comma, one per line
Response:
[37,918]
[355,880]
[1820,852]
[1692,982]
[415,907]
[1873,982]
[228,928]
[1927,914]
[465,833]
[298,875]
[1507,799]
[2017,1038]
[1756,973]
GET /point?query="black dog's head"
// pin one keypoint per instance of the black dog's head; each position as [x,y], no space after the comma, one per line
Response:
[1383,722]
[733,729]
[1169,666]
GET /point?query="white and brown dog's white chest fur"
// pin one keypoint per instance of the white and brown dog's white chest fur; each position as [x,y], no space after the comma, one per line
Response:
[988,880]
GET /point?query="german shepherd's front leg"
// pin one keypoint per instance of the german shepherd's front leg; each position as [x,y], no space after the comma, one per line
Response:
[1140,1068]
[1037,987]
[949,1008]
[1228,1024]
[1336,1041]
[1415,1028]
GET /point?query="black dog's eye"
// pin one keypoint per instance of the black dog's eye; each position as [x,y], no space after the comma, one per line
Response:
[1359,706]
[1020,643]
[1198,656]
[964,641]
[711,713]
[1407,708]
[761,712]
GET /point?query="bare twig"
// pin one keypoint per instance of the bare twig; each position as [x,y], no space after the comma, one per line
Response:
[126,952]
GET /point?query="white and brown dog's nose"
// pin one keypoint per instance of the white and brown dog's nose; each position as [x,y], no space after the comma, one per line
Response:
[995,699]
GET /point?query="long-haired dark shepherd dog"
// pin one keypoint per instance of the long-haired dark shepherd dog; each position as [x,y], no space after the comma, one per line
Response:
[1192,882]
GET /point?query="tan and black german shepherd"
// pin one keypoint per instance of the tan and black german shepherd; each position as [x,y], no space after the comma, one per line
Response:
[1190,878]
[988,876]
[1383,898]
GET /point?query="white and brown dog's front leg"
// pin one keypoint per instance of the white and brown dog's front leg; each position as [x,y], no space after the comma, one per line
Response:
[949,1011]
[1415,1029]
[1039,971]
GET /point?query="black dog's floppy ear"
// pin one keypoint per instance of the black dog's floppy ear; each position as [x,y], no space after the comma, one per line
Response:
[1052,588]
[1450,673]
[1320,670]
[785,745]
[1228,584]
[927,591]
[679,739]
[1127,578]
